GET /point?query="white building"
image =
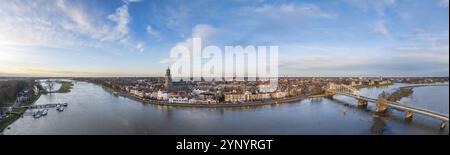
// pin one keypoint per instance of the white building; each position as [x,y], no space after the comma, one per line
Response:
[265,96]
[154,95]
[178,100]
[198,91]
[163,95]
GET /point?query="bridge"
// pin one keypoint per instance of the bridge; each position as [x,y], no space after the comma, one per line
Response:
[382,104]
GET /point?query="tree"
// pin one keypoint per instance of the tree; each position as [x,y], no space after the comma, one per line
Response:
[50,85]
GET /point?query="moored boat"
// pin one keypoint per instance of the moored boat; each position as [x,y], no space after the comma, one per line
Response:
[37,114]
[44,112]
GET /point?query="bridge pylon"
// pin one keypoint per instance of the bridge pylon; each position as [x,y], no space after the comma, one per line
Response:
[362,103]
[382,105]
[409,115]
[443,125]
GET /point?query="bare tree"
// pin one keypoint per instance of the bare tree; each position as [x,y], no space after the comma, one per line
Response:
[50,85]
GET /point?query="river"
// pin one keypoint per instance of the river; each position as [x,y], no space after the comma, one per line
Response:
[94,110]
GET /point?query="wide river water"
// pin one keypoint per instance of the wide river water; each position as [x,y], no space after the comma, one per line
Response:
[94,110]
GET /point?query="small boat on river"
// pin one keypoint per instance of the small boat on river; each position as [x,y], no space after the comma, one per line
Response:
[37,114]
[60,109]
[44,112]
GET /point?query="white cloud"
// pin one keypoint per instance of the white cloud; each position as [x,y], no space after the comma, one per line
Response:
[419,30]
[325,62]
[152,31]
[167,61]
[380,28]
[76,18]
[378,6]
[293,11]
[131,1]
[60,24]
[444,3]
[140,46]
[206,32]
[122,19]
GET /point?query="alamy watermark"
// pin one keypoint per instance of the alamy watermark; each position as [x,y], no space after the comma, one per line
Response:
[236,63]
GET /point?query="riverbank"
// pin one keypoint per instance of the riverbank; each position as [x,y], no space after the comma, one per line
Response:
[219,105]
[65,87]
[16,113]
[400,93]
[245,104]
[373,86]
[406,91]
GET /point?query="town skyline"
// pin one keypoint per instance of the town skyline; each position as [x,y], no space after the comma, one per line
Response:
[133,38]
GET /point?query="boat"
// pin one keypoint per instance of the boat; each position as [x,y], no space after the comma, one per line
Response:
[37,114]
[60,109]
[65,104]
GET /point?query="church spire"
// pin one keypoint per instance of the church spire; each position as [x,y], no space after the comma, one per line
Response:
[168,78]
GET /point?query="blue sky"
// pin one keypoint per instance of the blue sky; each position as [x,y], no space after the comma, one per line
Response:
[134,37]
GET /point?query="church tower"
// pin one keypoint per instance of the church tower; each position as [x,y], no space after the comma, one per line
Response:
[168,79]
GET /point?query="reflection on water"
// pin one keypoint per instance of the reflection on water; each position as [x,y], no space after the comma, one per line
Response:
[378,126]
[93,110]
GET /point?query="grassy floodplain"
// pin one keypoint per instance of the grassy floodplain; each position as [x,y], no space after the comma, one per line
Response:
[65,87]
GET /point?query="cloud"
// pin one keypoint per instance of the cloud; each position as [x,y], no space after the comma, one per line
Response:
[63,24]
[380,28]
[131,1]
[419,30]
[292,11]
[152,32]
[325,62]
[167,61]
[40,24]
[206,32]
[140,46]
[378,6]
[444,3]
[269,23]
[122,19]
[178,18]
[37,72]
[427,58]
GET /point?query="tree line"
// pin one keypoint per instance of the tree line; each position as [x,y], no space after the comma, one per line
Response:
[9,90]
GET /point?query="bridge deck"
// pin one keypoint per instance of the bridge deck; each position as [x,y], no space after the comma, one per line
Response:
[400,106]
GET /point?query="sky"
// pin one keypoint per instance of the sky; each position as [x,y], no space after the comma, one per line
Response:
[134,37]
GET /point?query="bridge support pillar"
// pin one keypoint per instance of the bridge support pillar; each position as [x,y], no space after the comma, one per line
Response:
[443,125]
[362,103]
[409,115]
[381,105]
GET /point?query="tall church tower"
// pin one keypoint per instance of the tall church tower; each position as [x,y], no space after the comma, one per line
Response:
[168,79]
